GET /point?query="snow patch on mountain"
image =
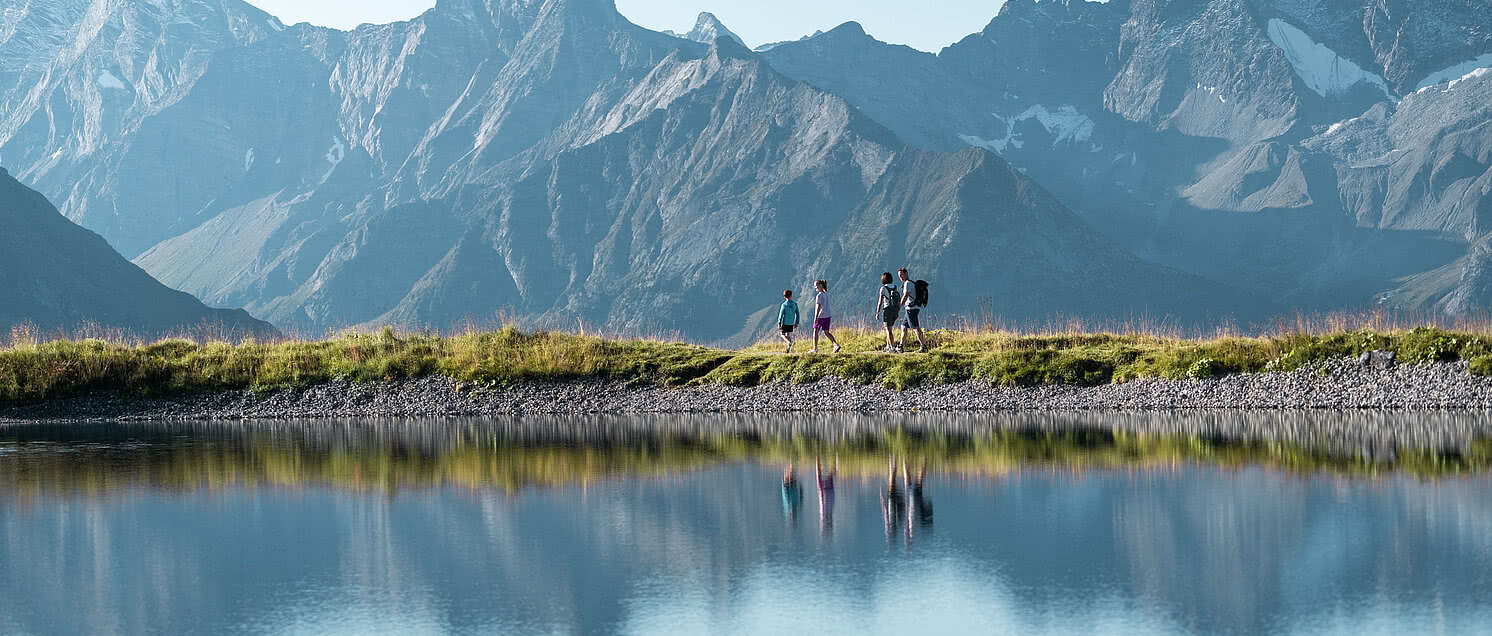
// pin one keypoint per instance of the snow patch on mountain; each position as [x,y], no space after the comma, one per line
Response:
[1468,77]
[996,145]
[108,80]
[248,159]
[1065,124]
[1457,72]
[1334,128]
[334,156]
[1322,70]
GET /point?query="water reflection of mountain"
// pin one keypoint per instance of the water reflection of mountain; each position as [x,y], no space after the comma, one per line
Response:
[211,528]
[1199,549]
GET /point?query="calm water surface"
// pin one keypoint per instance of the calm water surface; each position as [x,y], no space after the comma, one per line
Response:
[497,527]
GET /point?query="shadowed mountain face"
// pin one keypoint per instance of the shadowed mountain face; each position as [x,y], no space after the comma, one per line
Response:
[1328,153]
[546,158]
[55,275]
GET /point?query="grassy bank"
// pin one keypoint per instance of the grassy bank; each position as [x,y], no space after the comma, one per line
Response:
[38,371]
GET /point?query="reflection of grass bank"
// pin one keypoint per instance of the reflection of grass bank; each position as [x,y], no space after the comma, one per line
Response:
[481,464]
[31,371]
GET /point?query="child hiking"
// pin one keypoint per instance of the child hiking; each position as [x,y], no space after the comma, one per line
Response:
[787,318]
[821,316]
[888,307]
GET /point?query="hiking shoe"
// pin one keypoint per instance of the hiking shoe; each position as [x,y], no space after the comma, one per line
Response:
[789,348]
[813,350]
[923,349]
[836,348]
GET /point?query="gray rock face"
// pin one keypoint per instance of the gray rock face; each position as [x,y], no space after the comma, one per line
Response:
[79,79]
[1320,151]
[551,160]
[58,277]
[555,162]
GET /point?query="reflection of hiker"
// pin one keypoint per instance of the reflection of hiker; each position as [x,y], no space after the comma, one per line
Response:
[919,508]
[787,318]
[826,496]
[821,316]
[888,306]
[792,496]
[914,297]
[892,503]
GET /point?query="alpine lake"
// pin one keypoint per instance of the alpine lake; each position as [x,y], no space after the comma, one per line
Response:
[773,524]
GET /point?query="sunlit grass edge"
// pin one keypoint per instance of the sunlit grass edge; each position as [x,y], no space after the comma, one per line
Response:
[34,371]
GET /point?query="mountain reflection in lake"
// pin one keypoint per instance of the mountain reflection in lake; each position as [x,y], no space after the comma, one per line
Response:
[1012,524]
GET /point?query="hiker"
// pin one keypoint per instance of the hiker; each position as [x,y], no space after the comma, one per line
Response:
[821,316]
[792,495]
[787,318]
[893,504]
[914,296]
[826,495]
[888,306]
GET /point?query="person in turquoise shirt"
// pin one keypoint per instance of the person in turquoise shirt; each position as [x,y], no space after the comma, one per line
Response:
[787,318]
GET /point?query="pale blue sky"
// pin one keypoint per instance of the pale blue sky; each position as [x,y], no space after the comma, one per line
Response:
[929,25]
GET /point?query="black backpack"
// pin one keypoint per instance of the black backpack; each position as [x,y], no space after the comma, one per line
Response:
[892,297]
[920,291]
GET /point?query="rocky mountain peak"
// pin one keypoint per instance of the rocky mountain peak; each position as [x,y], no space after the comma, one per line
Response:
[851,29]
[707,28]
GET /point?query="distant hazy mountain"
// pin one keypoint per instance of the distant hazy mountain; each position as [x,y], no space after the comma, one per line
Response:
[546,158]
[1329,153]
[57,276]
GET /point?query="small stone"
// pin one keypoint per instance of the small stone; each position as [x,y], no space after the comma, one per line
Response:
[1377,359]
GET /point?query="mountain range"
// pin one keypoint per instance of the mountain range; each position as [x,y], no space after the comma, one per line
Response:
[550,160]
[55,275]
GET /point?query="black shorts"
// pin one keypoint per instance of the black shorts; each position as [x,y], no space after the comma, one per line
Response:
[786,328]
[911,320]
[890,315]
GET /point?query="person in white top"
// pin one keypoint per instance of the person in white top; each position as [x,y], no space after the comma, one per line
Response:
[821,315]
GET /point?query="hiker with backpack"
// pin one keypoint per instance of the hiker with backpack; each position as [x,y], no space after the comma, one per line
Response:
[914,297]
[888,307]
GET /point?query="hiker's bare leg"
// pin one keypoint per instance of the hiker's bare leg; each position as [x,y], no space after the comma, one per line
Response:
[815,338]
[903,341]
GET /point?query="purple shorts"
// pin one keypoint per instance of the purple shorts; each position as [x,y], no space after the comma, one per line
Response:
[822,324]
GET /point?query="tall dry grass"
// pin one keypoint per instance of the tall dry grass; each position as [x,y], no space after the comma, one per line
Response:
[38,366]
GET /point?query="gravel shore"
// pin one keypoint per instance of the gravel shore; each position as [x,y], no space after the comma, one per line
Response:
[1344,384]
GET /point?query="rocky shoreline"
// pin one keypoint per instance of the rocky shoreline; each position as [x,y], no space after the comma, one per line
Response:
[1344,384]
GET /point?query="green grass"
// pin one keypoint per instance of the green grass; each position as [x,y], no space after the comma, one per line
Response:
[31,371]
